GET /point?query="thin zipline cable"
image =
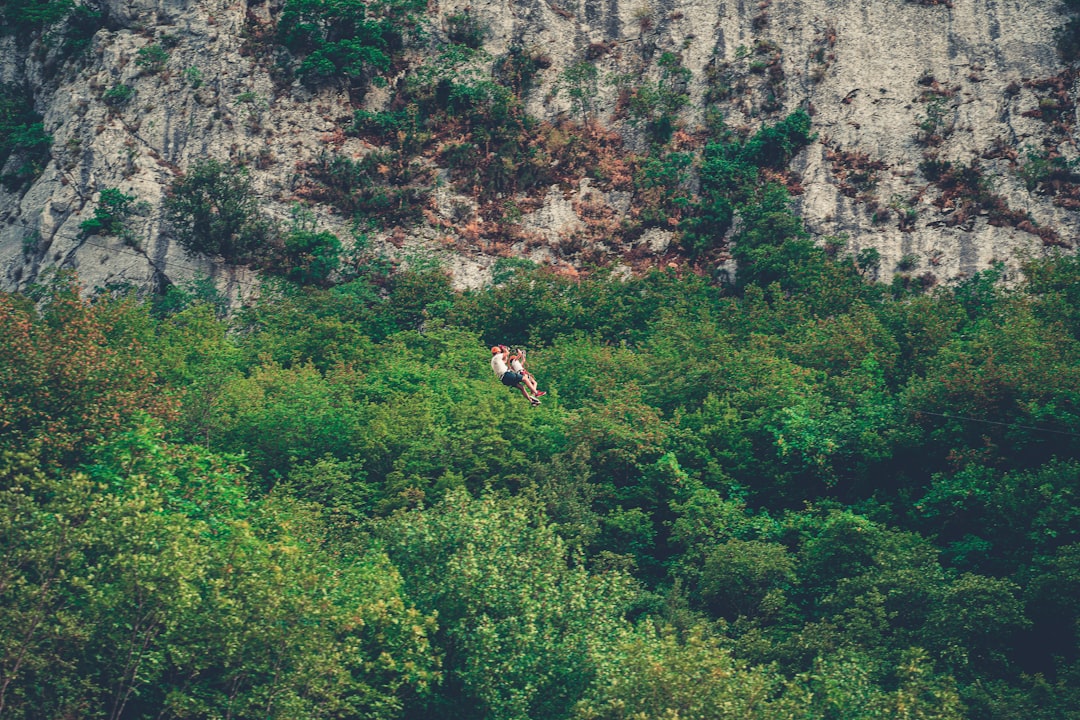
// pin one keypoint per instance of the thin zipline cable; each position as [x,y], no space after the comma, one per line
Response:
[996,422]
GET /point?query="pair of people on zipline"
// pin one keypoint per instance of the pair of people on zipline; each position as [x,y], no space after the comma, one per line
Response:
[510,369]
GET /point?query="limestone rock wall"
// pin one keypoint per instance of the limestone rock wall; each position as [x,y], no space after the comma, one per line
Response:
[889,83]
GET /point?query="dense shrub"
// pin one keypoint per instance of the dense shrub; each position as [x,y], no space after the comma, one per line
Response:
[151,58]
[112,209]
[729,176]
[28,15]
[213,210]
[118,95]
[350,39]
[775,145]
[381,185]
[24,144]
[310,256]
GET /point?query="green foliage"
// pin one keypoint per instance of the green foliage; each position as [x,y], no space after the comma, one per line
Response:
[847,686]
[23,16]
[382,184]
[773,243]
[933,126]
[350,39]
[653,673]
[283,416]
[399,127]
[657,104]
[214,211]
[1051,282]
[194,77]
[579,82]
[498,152]
[520,621]
[176,595]
[58,23]
[496,147]
[729,177]
[775,145]
[80,27]
[745,577]
[69,374]
[23,140]
[661,182]
[1041,169]
[112,210]
[810,497]
[152,58]
[310,256]
[505,269]
[1003,357]
[118,95]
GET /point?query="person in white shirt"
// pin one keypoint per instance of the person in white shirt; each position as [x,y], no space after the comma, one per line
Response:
[500,356]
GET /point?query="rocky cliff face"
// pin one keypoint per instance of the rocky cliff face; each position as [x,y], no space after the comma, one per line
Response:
[935,124]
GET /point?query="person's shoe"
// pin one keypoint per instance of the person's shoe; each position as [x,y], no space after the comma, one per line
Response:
[541,393]
[534,402]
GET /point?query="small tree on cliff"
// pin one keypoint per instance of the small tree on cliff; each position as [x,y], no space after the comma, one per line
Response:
[214,211]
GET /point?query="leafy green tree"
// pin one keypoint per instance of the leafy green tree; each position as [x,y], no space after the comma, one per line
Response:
[1052,283]
[322,326]
[521,621]
[998,383]
[653,673]
[746,577]
[23,140]
[31,15]
[774,146]
[213,210]
[70,375]
[848,686]
[996,522]
[193,355]
[151,586]
[283,416]
[419,295]
[352,39]
[974,624]
[580,82]
[309,257]
[729,179]
[1051,597]
[773,244]
[112,210]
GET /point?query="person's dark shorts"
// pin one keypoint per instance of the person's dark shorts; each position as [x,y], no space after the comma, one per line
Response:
[511,378]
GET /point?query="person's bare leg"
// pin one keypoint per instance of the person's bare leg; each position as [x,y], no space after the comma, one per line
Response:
[528,397]
[532,385]
[531,382]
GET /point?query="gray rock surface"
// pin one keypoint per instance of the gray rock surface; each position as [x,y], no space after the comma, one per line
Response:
[861,67]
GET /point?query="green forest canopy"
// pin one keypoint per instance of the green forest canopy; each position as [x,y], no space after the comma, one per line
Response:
[801,494]
[818,497]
